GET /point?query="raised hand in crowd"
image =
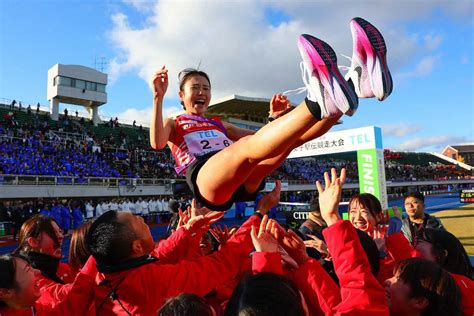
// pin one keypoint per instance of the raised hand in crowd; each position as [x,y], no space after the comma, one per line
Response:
[221,235]
[184,217]
[263,239]
[200,224]
[319,245]
[294,246]
[330,196]
[270,199]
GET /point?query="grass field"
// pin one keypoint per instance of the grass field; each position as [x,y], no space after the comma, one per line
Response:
[460,222]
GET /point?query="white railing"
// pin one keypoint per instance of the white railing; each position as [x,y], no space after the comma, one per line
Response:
[68,180]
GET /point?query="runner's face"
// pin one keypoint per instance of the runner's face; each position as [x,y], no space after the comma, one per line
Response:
[196,95]
[361,218]
[414,206]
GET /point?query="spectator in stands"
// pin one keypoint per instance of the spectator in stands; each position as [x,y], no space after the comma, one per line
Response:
[66,218]
[89,209]
[18,217]
[45,211]
[98,209]
[417,219]
[77,215]
[56,211]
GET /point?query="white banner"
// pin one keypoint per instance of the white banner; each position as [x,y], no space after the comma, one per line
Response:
[341,141]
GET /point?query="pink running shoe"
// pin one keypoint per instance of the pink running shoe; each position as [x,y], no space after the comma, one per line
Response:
[325,84]
[369,70]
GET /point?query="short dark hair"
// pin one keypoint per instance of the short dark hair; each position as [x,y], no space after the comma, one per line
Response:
[427,279]
[369,201]
[265,294]
[416,195]
[456,259]
[109,240]
[185,305]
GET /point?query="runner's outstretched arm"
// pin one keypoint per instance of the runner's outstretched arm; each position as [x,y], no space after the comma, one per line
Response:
[159,131]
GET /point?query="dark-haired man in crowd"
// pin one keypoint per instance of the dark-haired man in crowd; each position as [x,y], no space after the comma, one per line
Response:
[417,219]
[133,280]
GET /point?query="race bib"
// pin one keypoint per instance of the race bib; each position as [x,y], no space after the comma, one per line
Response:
[202,142]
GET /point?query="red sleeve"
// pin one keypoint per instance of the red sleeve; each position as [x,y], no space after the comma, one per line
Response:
[266,262]
[70,299]
[399,248]
[178,246]
[321,292]
[199,276]
[466,286]
[361,294]
[65,273]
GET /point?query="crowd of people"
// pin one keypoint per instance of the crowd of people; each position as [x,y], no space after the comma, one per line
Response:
[71,213]
[368,265]
[30,148]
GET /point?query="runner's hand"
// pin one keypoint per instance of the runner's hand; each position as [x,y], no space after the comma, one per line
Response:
[279,105]
[160,82]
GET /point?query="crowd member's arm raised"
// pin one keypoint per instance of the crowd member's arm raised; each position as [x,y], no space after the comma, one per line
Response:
[266,257]
[184,242]
[360,291]
[202,275]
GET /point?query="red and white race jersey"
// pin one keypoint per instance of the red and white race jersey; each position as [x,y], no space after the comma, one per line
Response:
[196,136]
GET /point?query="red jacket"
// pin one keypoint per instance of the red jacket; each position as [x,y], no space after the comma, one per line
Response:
[467,293]
[72,299]
[360,292]
[178,246]
[398,249]
[143,290]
